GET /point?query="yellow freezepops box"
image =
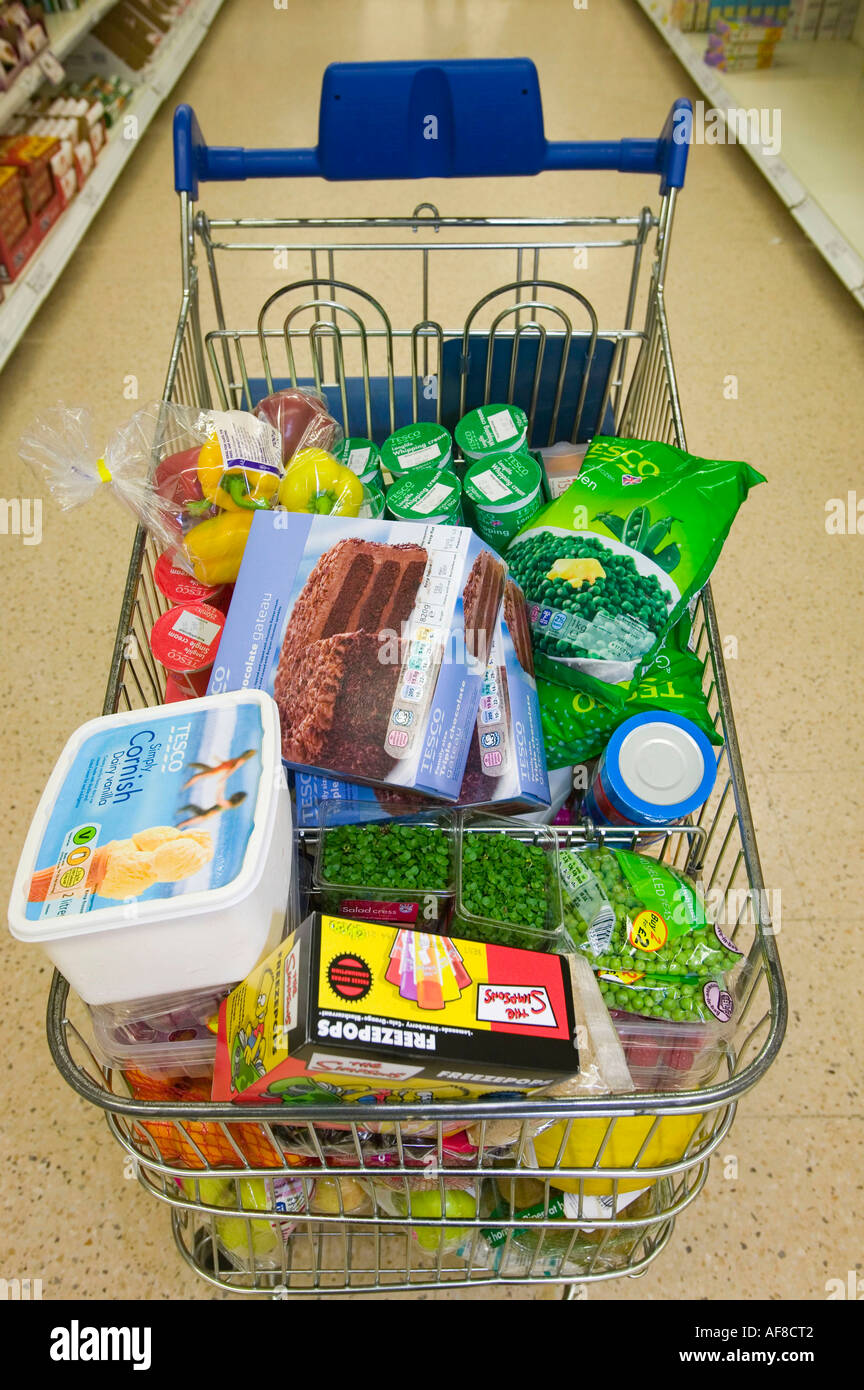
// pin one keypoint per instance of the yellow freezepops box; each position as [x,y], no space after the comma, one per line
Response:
[363,1012]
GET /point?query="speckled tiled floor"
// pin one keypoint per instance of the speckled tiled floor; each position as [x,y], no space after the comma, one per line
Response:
[747,296]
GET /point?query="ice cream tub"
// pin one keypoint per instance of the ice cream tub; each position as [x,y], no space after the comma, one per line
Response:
[416,446]
[502,493]
[160,855]
[429,495]
[491,429]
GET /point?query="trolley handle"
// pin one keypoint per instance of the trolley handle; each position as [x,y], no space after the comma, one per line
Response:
[463,118]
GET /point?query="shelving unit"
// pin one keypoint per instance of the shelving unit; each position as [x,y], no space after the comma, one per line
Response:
[818,88]
[25,297]
[64,31]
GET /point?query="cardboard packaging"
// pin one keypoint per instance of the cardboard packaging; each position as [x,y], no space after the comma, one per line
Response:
[358,1011]
[373,637]
[506,768]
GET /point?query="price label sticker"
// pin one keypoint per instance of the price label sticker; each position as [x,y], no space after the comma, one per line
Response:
[51,67]
[40,278]
[648,931]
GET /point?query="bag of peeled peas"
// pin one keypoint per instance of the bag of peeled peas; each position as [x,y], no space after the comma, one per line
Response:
[644,928]
[612,564]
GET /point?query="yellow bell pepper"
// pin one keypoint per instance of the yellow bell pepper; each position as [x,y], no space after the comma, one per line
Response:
[317,482]
[668,1144]
[215,547]
[233,489]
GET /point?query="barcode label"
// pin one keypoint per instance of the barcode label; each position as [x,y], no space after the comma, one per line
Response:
[489,485]
[357,459]
[436,494]
[422,455]
[502,426]
[200,629]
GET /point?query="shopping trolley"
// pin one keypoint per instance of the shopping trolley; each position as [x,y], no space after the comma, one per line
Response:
[453,311]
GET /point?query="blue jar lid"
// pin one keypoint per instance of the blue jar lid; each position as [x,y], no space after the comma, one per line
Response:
[658,767]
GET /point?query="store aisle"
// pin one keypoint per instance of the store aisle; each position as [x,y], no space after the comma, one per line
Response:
[749,301]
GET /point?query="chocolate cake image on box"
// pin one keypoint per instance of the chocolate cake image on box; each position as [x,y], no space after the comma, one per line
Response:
[516,618]
[481,599]
[333,693]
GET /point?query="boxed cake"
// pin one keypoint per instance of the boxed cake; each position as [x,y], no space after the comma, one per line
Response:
[360,1011]
[506,767]
[373,638]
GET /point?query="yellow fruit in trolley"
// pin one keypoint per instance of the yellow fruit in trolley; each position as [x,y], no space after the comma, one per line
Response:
[588,1137]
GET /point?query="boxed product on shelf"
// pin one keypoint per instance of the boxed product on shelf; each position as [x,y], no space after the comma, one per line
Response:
[32,154]
[373,637]
[352,1010]
[16,252]
[13,210]
[128,34]
[11,60]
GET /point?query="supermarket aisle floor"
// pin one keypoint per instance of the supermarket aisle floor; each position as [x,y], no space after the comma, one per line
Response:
[781,1213]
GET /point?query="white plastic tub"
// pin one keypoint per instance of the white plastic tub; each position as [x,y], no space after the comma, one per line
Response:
[197,876]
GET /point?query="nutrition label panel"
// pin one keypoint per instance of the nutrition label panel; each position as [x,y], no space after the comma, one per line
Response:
[427,638]
[492,717]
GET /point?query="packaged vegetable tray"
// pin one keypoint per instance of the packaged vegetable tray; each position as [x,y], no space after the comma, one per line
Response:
[609,566]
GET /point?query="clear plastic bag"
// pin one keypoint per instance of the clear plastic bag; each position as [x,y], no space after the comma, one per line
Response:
[302,420]
[194,479]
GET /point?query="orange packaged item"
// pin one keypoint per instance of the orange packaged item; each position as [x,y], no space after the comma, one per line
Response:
[198,1144]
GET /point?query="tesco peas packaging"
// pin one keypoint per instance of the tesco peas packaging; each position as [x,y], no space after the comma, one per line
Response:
[609,566]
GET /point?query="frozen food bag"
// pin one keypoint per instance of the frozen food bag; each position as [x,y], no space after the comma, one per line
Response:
[610,565]
[578,725]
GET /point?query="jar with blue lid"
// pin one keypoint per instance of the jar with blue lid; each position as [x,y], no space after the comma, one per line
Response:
[657,769]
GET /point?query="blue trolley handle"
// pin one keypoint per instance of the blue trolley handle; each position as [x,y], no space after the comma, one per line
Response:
[465,118]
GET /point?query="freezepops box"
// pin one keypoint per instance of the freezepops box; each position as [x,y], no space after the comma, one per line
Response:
[360,1011]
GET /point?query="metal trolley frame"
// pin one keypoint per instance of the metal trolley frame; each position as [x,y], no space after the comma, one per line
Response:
[530,336]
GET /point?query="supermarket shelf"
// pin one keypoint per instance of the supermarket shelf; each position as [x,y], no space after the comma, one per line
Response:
[26,296]
[818,89]
[64,31]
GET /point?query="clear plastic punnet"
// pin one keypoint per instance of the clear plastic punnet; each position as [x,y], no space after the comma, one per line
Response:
[401,870]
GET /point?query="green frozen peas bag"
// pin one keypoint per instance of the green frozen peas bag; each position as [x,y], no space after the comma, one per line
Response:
[628,912]
[577,725]
[609,566]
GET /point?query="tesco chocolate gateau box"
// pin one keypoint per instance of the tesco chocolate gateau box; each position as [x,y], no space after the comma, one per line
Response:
[506,767]
[373,637]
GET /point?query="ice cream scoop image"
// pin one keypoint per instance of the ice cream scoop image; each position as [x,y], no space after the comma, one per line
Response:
[125,869]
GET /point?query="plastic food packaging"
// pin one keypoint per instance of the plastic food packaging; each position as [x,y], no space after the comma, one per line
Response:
[197,1144]
[667,1056]
[169,1035]
[302,420]
[416,446]
[561,465]
[502,492]
[429,1199]
[610,565]
[408,865]
[577,725]
[429,496]
[160,855]
[250,1242]
[185,641]
[674,998]
[491,429]
[192,478]
[507,889]
[629,913]
[656,769]
[363,458]
[183,590]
